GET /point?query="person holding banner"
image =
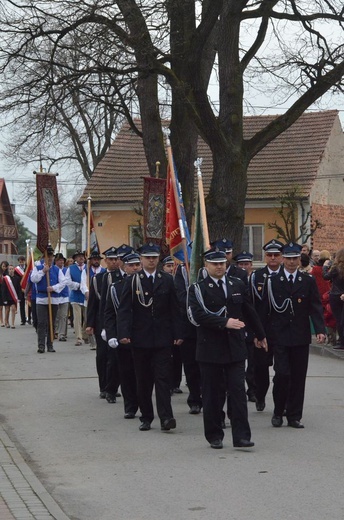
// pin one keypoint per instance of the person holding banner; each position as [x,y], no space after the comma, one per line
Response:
[11,292]
[49,280]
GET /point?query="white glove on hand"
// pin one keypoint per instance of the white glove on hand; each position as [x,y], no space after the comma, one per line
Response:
[103,334]
[113,343]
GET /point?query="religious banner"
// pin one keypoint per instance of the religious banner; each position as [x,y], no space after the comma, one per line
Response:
[154,204]
[48,212]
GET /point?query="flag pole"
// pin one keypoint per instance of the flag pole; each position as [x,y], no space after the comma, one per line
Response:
[206,243]
[89,202]
[51,328]
[167,132]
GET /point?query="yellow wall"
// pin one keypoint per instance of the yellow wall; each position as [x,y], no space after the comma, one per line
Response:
[115,224]
[263,216]
[115,227]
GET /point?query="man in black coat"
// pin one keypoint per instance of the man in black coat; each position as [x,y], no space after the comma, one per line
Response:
[226,245]
[127,374]
[149,320]
[262,359]
[106,359]
[188,347]
[220,306]
[292,298]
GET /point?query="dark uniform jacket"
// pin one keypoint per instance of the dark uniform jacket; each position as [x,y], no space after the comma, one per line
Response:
[93,303]
[110,312]
[258,284]
[215,343]
[292,327]
[181,285]
[157,325]
[108,278]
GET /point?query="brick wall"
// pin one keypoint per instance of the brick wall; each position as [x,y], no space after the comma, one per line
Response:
[331,234]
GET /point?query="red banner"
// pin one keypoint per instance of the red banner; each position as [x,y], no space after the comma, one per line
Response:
[173,234]
[48,212]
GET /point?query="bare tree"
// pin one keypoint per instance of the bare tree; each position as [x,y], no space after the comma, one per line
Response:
[287,228]
[295,48]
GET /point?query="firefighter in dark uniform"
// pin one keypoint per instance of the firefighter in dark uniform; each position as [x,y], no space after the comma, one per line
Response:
[220,306]
[292,298]
[131,265]
[115,274]
[226,245]
[262,360]
[244,260]
[107,366]
[149,320]
[188,347]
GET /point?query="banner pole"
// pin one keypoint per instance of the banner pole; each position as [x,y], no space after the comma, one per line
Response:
[206,243]
[50,310]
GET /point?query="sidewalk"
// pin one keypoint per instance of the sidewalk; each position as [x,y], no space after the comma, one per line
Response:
[22,496]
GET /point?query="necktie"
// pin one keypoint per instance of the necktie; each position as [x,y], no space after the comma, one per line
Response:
[220,284]
[151,280]
[291,281]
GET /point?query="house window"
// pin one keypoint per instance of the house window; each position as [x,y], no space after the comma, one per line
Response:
[252,240]
[1,218]
[5,251]
[0,248]
[135,236]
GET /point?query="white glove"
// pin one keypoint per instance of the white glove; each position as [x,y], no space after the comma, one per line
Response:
[113,343]
[103,334]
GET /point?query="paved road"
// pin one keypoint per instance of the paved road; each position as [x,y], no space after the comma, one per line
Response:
[94,465]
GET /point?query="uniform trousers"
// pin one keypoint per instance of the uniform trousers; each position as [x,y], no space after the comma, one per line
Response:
[107,366]
[192,372]
[79,318]
[213,376]
[43,325]
[290,365]
[61,320]
[250,381]
[152,367]
[127,379]
[22,309]
[176,367]
[262,361]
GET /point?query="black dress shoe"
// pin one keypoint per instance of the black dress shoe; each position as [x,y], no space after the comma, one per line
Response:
[216,444]
[102,395]
[251,397]
[276,421]
[243,443]
[110,398]
[177,390]
[51,349]
[194,409]
[168,424]
[129,415]
[223,424]
[295,424]
[144,427]
[260,406]
[41,350]
[118,394]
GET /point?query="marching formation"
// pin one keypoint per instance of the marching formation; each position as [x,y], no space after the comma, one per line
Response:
[146,321]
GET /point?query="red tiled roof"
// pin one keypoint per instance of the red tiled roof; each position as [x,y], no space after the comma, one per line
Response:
[292,158]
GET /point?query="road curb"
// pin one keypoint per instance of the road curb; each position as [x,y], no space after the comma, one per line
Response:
[21,490]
